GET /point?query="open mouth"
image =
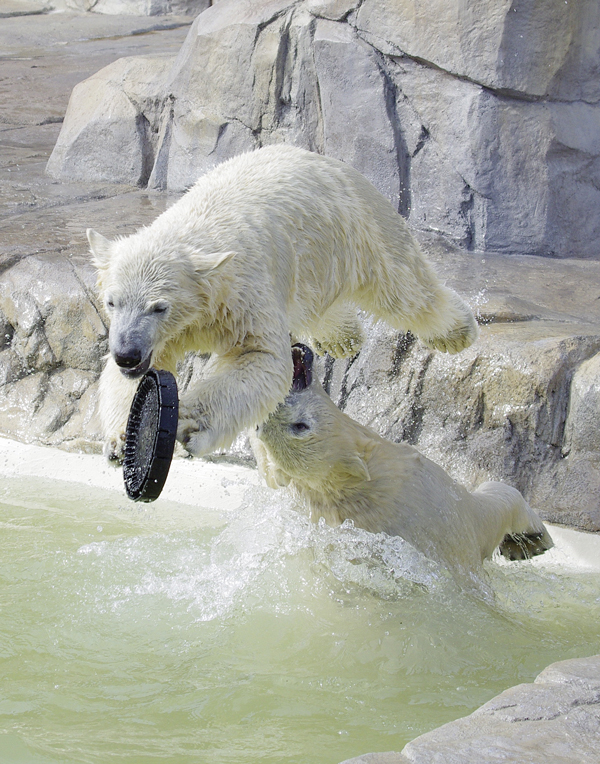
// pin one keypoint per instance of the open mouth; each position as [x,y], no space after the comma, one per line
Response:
[303,360]
[136,371]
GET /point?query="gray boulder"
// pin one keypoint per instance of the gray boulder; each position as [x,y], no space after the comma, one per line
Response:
[131,88]
[480,123]
[524,49]
[582,422]
[575,481]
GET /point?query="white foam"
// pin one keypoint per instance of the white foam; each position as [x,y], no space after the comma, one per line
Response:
[574,548]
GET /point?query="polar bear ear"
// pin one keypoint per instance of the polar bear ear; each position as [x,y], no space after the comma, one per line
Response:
[355,467]
[100,247]
[209,263]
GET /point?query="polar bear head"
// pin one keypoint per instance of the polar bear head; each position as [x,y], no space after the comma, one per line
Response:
[309,440]
[152,287]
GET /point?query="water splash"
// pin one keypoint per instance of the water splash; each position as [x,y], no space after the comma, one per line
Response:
[262,557]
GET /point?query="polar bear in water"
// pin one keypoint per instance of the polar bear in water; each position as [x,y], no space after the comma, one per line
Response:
[346,471]
[272,243]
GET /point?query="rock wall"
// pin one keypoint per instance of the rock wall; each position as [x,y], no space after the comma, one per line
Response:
[520,405]
[478,120]
[497,412]
[52,332]
[50,335]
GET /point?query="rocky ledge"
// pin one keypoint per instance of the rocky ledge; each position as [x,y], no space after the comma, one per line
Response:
[555,720]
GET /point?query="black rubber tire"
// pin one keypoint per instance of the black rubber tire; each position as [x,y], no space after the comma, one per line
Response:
[150,435]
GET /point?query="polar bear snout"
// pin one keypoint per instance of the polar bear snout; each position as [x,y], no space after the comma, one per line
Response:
[131,343]
[133,365]
[128,360]
[132,357]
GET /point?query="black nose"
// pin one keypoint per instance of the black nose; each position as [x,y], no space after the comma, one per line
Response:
[128,361]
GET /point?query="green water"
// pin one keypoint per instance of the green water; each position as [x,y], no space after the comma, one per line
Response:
[165,634]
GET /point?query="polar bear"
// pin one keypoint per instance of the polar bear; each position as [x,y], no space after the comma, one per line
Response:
[274,243]
[343,470]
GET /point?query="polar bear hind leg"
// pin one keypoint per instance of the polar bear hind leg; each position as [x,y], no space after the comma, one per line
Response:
[523,546]
[389,276]
[525,534]
[441,319]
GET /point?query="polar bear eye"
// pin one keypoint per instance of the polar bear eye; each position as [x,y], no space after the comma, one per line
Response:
[110,303]
[299,427]
[159,308]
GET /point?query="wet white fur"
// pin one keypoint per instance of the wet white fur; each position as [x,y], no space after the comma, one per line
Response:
[346,471]
[273,243]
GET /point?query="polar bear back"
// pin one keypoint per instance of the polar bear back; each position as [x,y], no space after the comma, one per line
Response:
[296,218]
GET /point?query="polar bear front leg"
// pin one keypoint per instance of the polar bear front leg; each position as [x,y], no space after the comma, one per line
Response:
[116,394]
[243,387]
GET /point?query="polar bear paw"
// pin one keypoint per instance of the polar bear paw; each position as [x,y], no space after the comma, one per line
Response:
[523,546]
[461,337]
[336,348]
[114,449]
[344,345]
[196,439]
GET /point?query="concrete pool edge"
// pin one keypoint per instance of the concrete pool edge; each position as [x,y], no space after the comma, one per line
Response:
[191,482]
